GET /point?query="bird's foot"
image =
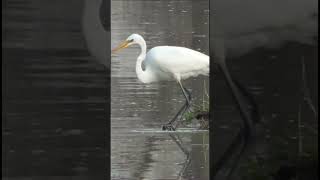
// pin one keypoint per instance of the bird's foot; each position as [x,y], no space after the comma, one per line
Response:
[168,127]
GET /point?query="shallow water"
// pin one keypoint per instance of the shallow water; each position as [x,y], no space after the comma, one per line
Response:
[139,149]
[54,94]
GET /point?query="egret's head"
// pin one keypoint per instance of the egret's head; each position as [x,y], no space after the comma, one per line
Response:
[132,39]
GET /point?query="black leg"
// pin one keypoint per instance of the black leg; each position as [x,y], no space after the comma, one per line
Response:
[186,95]
[182,109]
[169,126]
[187,107]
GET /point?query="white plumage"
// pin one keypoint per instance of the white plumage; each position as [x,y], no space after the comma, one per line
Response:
[178,61]
[165,63]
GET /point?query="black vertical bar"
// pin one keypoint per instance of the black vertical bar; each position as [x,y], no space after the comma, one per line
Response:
[211,123]
[107,4]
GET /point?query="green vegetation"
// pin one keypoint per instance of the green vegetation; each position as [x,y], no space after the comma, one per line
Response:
[199,111]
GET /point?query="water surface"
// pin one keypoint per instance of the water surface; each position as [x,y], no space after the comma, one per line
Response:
[137,152]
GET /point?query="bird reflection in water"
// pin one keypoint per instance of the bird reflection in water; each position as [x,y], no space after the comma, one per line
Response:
[175,137]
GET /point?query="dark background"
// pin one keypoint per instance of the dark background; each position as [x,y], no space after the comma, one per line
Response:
[272,51]
[55,116]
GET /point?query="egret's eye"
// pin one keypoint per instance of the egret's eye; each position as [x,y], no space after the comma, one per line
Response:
[130,41]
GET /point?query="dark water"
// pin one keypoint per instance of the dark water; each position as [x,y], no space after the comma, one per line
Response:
[54,93]
[274,80]
[265,53]
[152,154]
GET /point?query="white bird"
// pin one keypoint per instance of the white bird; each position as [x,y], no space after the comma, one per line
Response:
[167,63]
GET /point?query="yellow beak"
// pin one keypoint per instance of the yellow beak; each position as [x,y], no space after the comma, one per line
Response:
[123,45]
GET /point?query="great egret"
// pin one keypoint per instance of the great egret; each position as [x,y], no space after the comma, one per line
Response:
[167,63]
[248,111]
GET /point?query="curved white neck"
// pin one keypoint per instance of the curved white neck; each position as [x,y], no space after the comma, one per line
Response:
[143,75]
[94,33]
